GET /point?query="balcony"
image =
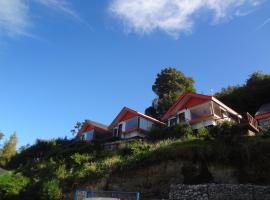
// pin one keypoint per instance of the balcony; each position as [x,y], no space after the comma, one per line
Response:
[251,122]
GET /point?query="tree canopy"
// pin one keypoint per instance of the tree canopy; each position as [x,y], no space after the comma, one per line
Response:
[169,85]
[8,150]
[249,96]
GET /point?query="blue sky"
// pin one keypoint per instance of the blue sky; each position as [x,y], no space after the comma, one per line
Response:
[66,61]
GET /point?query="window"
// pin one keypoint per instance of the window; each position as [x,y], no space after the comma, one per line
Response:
[145,124]
[88,135]
[132,123]
[217,110]
[173,121]
[115,132]
[200,111]
[182,117]
[120,128]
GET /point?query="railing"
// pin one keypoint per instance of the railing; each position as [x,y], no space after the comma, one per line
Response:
[248,119]
[82,194]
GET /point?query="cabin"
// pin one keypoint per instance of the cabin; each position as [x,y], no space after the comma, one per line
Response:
[132,124]
[203,111]
[263,116]
[91,131]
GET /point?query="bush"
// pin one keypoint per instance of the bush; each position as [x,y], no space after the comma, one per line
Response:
[174,132]
[203,133]
[265,133]
[227,132]
[51,190]
[11,185]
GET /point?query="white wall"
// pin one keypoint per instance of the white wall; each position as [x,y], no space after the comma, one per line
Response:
[132,134]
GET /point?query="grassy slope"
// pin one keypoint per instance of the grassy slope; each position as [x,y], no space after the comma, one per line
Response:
[83,165]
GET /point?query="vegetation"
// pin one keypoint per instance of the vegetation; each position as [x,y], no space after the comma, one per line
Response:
[169,85]
[52,169]
[249,96]
[8,150]
[56,167]
[12,185]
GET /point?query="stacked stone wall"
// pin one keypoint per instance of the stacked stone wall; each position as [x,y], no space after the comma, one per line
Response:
[219,192]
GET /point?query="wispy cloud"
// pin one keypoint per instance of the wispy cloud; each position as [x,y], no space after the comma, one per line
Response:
[14,17]
[267,21]
[60,5]
[175,16]
[15,14]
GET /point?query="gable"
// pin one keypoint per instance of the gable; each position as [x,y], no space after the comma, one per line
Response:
[127,115]
[193,102]
[187,100]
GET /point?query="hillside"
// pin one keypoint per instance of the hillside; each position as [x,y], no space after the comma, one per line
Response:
[56,168]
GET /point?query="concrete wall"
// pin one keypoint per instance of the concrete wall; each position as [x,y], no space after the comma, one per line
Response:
[219,192]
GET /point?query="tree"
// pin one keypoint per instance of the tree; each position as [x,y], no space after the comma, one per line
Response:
[9,149]
[169,85]
[249,96]
[76,128]
[1,135]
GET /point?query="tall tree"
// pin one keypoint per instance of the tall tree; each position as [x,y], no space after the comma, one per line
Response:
[9,149]
[249,96]
[169,85]
[76,128]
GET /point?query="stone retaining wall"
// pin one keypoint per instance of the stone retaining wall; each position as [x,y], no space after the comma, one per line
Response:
[219,192]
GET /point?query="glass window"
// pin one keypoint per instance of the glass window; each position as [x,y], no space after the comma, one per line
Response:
[115,132]
[182,117]
[132,123]
[217,110]
[200,111]
[173,122]
[120,128]
[89,135]
[145,124]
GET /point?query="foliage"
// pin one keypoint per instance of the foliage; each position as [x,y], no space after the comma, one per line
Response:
[177,131]
[203,133]
[249,96]
[1,135]
[51,190]
[8,150]
[227,131]
[169,85]
[12,184]
[76,128]
[265,132]
[59,166]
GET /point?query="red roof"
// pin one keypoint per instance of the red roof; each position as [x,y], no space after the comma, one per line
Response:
[189,100]
[127,113]
[263,116]
[89,125]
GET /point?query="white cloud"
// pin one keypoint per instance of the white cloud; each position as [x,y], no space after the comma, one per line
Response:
[174,16]
[13,17]
[61,5]
[267,21]
[15,14]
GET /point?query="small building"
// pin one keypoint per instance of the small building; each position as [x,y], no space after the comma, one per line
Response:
[132,124]
[202,111]
[91,131]
[263,116]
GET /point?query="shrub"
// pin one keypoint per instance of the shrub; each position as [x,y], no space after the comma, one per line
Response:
[11,185]
[227,132]
[203,133]
[265,133]
[51,190]
[177,131]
